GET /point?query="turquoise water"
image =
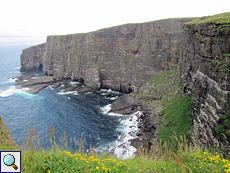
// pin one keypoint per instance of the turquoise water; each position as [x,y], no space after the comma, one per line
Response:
[82,116]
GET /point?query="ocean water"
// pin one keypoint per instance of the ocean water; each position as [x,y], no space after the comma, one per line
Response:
[82,116]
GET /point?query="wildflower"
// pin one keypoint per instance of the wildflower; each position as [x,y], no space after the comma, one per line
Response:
[97,167]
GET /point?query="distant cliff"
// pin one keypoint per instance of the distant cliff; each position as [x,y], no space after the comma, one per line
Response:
[32,58]
[121,58]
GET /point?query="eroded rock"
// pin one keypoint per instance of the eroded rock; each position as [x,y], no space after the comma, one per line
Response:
[125,105]
[24,77]
[38,84]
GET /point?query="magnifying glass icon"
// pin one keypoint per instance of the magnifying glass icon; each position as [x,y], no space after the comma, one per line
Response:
[9,160]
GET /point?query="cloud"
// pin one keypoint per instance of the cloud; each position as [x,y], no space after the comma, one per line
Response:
[40,18]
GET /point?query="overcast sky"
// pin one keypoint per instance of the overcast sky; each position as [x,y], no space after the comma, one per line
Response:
[31,21]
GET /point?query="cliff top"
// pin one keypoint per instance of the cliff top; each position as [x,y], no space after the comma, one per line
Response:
[185,19]
[222,18]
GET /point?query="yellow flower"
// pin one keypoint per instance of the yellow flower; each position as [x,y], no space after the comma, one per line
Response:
[97,167]
[49,171]
[205,153]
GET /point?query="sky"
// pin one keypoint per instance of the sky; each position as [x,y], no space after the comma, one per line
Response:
[31,21]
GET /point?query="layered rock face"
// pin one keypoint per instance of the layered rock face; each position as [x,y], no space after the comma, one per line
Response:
[124,58]
[120,58]
[205,66]
[32,58]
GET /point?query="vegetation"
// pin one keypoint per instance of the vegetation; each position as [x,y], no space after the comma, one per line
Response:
[162,81]
[5,138]
[220,66]
[223,18]
[103,29]
[227,55]
[176,121]
[174,151]
[222,128]
[187,158]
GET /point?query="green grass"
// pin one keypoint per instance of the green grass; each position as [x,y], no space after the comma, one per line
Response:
[175,120]
[5,138]
[162,157]
[103,29]
[163,80]
[188,158]
[227,55]
[223,18]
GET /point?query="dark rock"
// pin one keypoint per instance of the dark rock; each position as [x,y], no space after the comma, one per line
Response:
[38,84]
[32,58]
[139,108]
[139,126]
[37,88]
[41,80]
[102,65]
[124,105]
[84,90]
[109,95]
[80,80]
[140,143]
[71,88]
[56,85]
[24,77]
[79,89]
[138,133]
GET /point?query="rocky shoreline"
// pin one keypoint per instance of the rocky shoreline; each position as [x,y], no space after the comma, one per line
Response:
[36,84]
[148,120]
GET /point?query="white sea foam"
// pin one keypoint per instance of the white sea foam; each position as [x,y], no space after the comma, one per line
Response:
[89,92]
[13,90]
[127,129]
[11,80]
[109,91]
[69,92]
[105,109]
[112,98]
[125,151]
[73,83]
[16,67]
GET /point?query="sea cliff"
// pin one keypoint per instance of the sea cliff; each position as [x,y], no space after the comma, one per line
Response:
[120,58]
[205,70]
[125,58]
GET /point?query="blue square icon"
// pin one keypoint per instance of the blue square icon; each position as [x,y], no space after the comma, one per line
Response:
[10,161]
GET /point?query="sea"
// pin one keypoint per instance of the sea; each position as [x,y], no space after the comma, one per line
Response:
[84,118]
